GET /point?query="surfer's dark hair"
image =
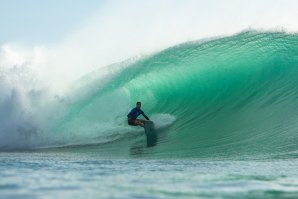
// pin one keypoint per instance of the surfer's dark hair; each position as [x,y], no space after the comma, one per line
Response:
[138,103]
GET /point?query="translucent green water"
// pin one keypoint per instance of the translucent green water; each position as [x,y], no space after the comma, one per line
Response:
[229,97]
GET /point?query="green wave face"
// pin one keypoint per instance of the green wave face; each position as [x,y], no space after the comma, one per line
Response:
[233,96]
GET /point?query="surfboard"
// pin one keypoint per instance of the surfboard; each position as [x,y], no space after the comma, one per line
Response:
[150,133]
[149,127]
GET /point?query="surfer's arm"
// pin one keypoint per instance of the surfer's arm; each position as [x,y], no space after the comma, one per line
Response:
[145,116]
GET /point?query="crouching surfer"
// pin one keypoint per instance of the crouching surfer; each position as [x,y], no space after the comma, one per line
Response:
[134,113]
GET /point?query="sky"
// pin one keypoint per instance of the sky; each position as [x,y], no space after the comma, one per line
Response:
[65,39]
[36,21]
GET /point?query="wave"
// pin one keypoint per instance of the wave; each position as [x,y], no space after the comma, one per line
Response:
[234,96]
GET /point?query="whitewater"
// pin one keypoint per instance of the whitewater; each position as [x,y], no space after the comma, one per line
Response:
[224,109]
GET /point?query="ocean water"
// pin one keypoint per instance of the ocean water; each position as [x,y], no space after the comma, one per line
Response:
[86,175]
[225,111]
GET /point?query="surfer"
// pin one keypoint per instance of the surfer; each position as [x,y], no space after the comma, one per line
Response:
[134,113]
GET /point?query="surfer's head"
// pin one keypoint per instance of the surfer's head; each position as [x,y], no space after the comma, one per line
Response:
[138,105]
